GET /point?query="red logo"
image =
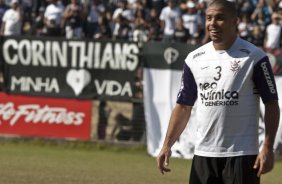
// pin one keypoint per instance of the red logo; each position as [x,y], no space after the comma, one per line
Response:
[45,117]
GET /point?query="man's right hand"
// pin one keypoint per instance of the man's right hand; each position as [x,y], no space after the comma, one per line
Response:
[163,160]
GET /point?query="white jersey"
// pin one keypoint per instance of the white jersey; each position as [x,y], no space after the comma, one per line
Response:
[227,85]
[273,32]
[12,22]
[169,16]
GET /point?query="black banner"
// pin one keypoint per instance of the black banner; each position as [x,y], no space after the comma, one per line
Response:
[63,68]
[165,55]
[86,69]
[172,55]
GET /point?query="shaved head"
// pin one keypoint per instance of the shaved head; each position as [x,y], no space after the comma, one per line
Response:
[227,5]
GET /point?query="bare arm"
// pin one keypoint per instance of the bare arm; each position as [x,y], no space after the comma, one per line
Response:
[265,159]
[177,123]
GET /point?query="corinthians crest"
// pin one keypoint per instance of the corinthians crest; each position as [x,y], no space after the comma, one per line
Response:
[235,67]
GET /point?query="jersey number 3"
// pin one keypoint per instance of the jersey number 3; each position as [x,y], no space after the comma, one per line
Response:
[218,68]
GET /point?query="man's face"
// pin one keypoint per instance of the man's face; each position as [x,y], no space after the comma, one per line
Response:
[220,25]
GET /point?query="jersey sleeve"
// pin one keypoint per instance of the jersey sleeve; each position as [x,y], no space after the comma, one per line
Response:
[187,94]
[264,80]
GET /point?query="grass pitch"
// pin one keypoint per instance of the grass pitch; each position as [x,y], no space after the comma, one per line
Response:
[41,162]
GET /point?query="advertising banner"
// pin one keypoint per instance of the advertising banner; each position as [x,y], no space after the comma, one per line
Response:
[63,68]
[160,98]
[45,117]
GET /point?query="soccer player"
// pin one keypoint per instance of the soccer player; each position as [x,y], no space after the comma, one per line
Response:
[227,77]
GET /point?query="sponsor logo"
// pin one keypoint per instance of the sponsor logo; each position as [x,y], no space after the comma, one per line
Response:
[219,95]
[171,55]
[268,78]
[34,113]
[212,97]
[198,54]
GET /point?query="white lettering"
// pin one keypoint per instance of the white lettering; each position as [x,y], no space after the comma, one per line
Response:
[107,57]
[120,57]
[75,45]
[24,46]
[26,84]
[8,45]
[33,113]
[86,59]
[115,56]
[268,78]
[113,88]
[38,49]
[131,51]
[59,53]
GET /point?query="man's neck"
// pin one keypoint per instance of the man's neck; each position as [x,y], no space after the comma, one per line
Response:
[225,45]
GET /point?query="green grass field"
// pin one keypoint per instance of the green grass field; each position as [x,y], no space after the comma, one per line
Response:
[42,162]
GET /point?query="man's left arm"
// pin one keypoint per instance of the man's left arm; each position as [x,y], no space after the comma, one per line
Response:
[265,160]
[265,83]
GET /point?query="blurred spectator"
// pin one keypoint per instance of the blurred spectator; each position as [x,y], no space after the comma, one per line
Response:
[273,35]
[267,10]
[132,4]
[154,26]
[140,32]
[258,17]
[27,10]
[12,20]
[181,34]
[140,6]
[104,27]
[95,13]
[27,21]
[38,27]
[3,9]
[73,18]
[168,17]
[257,36]
[123,19]
[201,7]
[157,5]
[245,8]
[183,6]
[122,30]
[117,19]
[123,11]
[192,22]
[36,5]
[53,17]
[245,27]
